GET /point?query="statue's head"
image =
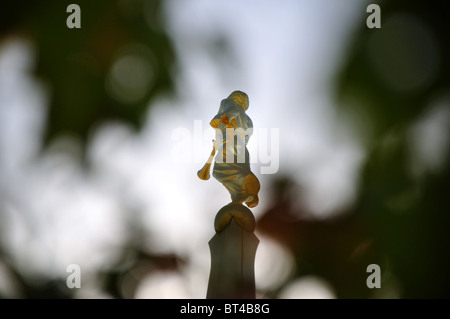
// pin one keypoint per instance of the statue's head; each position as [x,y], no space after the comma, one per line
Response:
[240,98]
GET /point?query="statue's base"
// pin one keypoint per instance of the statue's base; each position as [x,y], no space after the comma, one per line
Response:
[233,250]
[241,214]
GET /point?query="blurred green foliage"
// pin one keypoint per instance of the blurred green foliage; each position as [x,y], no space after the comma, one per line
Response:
[391,73]
[78,65]
[390,79]
[112,68]
[394,74]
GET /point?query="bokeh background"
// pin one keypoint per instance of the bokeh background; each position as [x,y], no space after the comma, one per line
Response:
[94,169]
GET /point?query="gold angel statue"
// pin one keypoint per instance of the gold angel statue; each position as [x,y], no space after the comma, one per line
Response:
[232,163]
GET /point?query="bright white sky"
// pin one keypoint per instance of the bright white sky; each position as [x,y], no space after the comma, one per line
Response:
[285,53]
